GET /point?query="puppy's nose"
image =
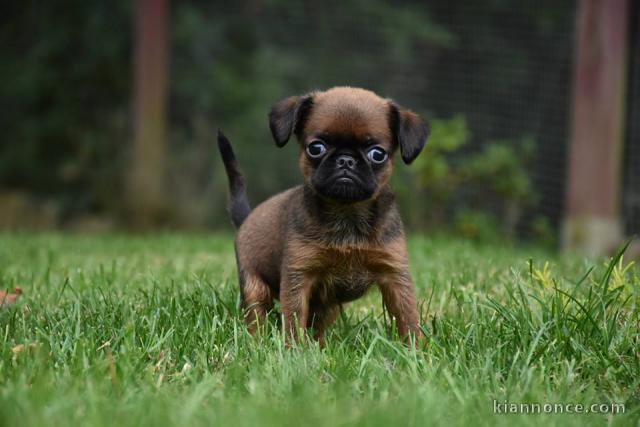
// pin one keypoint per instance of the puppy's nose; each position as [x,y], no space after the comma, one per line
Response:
[346,162]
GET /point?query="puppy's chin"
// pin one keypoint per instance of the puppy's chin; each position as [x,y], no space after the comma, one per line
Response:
[345,190]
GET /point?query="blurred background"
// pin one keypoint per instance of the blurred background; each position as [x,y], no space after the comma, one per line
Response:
[109,109]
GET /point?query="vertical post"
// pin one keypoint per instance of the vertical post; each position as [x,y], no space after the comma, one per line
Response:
[592,222]
[146,193]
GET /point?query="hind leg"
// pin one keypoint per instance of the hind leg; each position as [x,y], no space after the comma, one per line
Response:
[321,319]
[257,299]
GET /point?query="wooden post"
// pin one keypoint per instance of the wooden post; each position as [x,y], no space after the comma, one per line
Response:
[146,190]
[592,223]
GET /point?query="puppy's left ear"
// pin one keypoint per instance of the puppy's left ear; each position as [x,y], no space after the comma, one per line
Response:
[410,131]
[288,116]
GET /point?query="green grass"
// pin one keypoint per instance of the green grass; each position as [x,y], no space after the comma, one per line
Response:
[146,331]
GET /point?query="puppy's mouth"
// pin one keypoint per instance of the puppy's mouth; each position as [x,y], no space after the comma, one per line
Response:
[345,186]
[345,179]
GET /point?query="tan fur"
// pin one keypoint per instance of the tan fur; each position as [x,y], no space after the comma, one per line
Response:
[257,300]
[351,111]
[319,267]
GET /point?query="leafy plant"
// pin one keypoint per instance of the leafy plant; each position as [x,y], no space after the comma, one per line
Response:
[477,189]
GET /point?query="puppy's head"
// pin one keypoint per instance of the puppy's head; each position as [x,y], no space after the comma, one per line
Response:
[348,137]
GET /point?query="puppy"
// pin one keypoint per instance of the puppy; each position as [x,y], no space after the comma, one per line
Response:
[327,241]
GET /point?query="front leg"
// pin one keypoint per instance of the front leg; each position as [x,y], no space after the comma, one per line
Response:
[295,292]
[399,299]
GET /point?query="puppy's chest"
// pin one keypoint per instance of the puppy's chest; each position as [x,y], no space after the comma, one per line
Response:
[343,276]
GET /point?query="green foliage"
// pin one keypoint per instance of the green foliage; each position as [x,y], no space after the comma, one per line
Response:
[476,225]
[478,189]
[64,90]
[447,136]
[501,167]
[117,330]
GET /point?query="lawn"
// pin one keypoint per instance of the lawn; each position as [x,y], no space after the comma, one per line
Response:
[121,330]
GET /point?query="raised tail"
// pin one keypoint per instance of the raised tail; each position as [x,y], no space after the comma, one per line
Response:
[239,207]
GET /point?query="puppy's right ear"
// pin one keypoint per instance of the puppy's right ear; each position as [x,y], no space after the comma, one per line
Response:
[288,116]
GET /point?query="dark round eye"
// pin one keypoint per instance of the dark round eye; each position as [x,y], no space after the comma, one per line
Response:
[316,149]
[377,155]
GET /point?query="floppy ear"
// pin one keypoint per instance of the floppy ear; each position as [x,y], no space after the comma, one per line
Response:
[410,131]
[288,116]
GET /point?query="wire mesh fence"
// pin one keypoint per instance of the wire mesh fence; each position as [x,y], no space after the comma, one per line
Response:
[506,70]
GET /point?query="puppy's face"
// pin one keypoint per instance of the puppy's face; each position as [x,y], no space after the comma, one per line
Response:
[348,137]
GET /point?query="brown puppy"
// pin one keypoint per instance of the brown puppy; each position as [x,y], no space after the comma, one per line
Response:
[324,243]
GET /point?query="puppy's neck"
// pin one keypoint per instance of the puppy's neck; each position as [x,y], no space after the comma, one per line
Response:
[348,222]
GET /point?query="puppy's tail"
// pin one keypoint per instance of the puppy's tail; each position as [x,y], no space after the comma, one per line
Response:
[239,207]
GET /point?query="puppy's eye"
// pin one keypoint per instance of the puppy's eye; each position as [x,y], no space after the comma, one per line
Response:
[316,149]
[377,155]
